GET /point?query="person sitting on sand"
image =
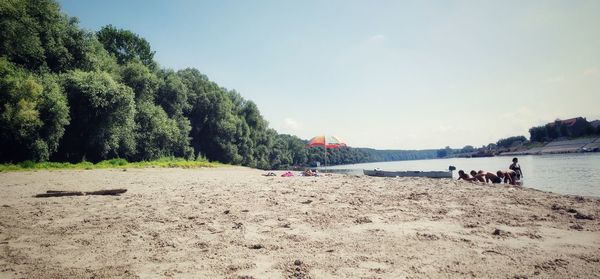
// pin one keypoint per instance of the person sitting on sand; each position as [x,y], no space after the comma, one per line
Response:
[488,176]
[509,176]
[517,168]
[462,175]
[477,176]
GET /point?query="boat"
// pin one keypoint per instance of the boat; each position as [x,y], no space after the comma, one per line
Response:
[428,174]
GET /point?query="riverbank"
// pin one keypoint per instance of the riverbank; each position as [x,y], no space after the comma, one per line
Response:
[232,222]
[579,145]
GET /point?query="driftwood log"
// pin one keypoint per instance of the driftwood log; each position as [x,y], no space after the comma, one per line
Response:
[54,193]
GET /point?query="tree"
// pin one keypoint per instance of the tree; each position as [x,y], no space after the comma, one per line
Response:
[126,46]
[33,113]
[157,135]
[447,151]
[143,82]
[172,94]
[553,131]
[215,124]
[467,149]
[511,141]
[102,113]
[97,59]
[297,149]
[538,134]
[37,36]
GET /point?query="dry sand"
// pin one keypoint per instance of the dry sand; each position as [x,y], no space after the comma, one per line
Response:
[235,223]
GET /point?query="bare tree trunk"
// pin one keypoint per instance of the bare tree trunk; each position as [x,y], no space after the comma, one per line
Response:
[59,194]
[107,192]
[54,193]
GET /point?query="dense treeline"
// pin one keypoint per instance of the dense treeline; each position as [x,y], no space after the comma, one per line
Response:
[374,155]
[468,150]
[73,95]
[511,141]
[571,128]
[568,129]
[68,94]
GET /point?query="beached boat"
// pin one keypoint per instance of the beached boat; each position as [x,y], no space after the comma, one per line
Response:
[429,174]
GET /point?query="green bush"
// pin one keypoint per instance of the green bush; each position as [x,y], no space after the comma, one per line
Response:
[27,164]
[114,162]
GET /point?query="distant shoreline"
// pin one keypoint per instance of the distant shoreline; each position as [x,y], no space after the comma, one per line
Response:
[578,145]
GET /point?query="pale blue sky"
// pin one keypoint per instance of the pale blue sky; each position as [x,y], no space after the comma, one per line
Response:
[382,74]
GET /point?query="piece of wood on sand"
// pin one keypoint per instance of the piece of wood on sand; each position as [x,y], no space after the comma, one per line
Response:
[111,192]
[54,193]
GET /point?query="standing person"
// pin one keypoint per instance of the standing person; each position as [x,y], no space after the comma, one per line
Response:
[517,168]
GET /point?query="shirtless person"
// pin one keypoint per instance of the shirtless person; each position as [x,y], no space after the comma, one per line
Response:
[509,176]
[489,177]
[462,175]
[477,176]
[309,172]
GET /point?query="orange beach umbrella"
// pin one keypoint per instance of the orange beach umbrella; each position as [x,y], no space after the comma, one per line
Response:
[326,141]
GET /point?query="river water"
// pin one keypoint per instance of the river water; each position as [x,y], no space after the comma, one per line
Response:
[575,174]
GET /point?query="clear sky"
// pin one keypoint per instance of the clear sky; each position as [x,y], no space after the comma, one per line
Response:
[382,74]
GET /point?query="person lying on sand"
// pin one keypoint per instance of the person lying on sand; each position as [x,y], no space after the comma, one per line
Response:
[488,176]
[509,176]
[309,172]
[476,175]
[287,174]
[462,175]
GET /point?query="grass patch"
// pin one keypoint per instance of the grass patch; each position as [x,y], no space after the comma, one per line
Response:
[167,162]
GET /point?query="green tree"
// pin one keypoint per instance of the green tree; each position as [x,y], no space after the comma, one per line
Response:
[511,141]
[297,149]
[143,82]
[126,46]
[36,35]
[553,131]
[97,59]
[442,153]
[212,117]
[172,94]
[33,113]
[538,134]
[102,113]
[157,135]
[467,149]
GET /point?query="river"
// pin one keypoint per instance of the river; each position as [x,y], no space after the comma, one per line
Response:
[575,174]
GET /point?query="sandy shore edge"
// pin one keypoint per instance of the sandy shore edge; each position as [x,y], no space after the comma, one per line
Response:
[235,223]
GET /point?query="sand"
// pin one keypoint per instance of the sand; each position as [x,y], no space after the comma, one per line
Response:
[234,223]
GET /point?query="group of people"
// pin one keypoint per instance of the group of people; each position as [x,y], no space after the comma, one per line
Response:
[306,172]
[309,172]
[512,176]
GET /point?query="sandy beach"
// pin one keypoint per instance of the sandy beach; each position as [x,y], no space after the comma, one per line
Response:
[233,222]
